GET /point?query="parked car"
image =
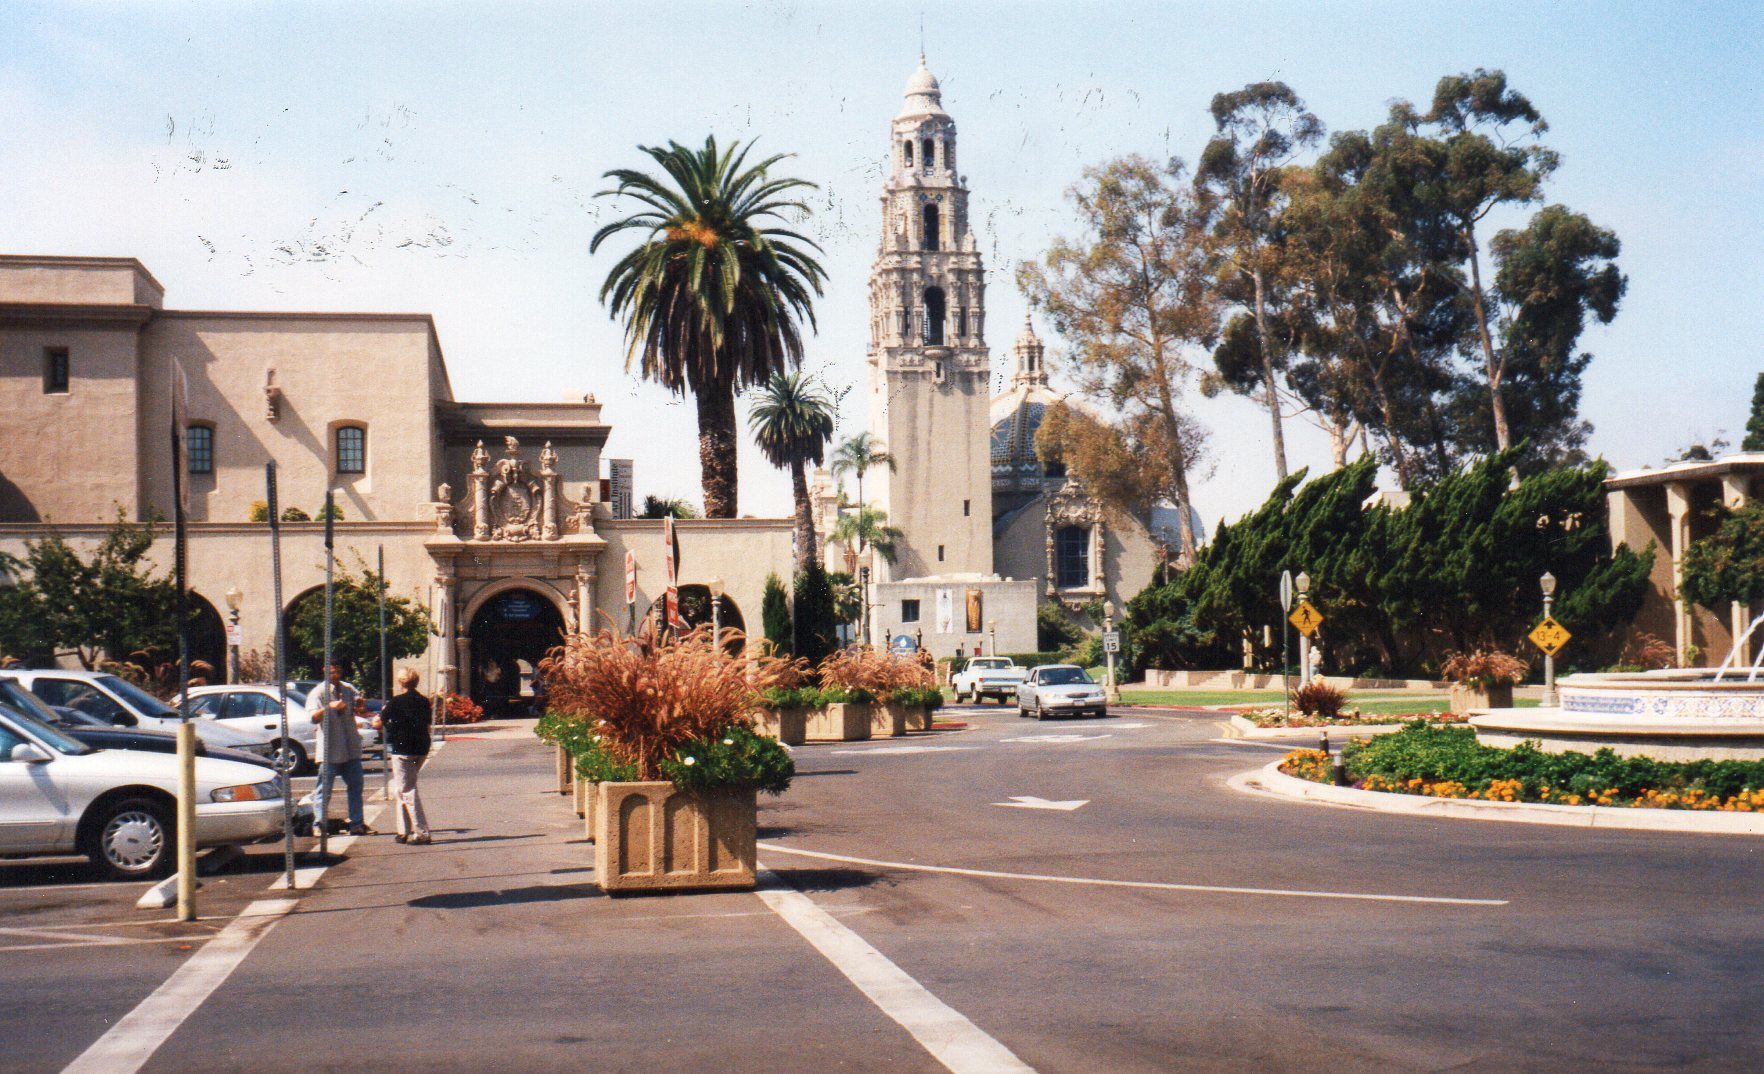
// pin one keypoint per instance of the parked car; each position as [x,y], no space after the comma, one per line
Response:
[988,676]
[255,707]
[118,807]
[100,734]
[1053,689]
[119,702]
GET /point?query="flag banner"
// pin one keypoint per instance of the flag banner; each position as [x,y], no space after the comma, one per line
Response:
[670,554]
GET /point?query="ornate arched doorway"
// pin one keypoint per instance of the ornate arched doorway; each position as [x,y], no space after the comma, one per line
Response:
[510,633]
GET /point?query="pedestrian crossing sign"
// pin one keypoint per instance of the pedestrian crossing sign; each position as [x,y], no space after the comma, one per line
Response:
[1307,618]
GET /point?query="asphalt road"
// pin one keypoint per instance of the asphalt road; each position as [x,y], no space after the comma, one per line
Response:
[491,950]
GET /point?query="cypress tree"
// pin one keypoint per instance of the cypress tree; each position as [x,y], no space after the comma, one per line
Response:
[775,613]
[1754,440]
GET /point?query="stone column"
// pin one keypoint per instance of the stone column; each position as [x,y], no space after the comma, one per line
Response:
[480,493]
[584,598]
[1735,494]
[444,615]
[1678,508]
[548,493]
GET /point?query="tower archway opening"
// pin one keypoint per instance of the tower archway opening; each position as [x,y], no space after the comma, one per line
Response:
[933,229]
[934,314]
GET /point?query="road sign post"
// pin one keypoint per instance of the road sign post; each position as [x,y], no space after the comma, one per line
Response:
[1549,636]
[1285,640]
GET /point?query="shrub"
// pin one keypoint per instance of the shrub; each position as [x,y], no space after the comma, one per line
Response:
[1484,668]
[294,514]
[462,709]
[1319,699]
[259,511]
[775,614]
[876,674]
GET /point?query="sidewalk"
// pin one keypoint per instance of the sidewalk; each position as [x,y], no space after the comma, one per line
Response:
[493,950]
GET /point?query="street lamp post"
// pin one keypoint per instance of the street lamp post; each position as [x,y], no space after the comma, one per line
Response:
[1548,584]
[1113,691]
[992,637]
[864,599]
[716,594]
[234,599]
[1304,591]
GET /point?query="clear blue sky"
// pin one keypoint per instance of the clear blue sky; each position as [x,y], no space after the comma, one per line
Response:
[443,157]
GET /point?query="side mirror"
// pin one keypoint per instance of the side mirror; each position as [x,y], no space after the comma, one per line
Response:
[29,753]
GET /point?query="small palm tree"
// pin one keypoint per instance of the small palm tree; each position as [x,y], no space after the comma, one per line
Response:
[867,525]
[711,297]
[856,454]
[792,422]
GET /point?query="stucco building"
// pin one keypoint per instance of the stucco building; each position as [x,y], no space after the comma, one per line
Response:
[488,514]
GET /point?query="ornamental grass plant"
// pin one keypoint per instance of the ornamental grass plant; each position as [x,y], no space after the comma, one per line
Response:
[644,708]
[869,673]
[1483,668]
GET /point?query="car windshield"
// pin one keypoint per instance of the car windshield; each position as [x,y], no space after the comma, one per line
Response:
[1065,677]
[135,697]
[20,698]
[988,663]
[59,740]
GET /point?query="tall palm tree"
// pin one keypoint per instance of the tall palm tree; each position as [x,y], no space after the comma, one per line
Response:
[712,297]
[792,422]
[867,525]
[856,454]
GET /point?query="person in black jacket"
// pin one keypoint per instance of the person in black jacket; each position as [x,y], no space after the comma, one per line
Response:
[405,724]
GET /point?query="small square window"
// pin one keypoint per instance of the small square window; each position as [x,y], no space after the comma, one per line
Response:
[909,611]
[351,449]
[940,553]
[199,449]
[55,377]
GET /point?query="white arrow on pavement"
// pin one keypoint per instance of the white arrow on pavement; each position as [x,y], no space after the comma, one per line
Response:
[873,750]
[1029,801]
[1054,738]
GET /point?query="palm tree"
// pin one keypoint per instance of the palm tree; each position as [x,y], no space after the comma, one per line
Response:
[792,422]
[856,454]
[711,298]
[867,525]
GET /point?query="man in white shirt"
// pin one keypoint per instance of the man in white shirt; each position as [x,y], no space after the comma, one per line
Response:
[332,706]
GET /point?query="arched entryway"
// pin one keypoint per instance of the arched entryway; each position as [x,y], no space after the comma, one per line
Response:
[695,608]
[303,663]
[208,640]
[510,632]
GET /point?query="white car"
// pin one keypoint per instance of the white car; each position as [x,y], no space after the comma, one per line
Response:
[988,676]
[117,701]
[118,807]
[1054,689]
[254,708]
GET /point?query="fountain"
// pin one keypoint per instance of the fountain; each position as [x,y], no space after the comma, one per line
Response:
[1675,714]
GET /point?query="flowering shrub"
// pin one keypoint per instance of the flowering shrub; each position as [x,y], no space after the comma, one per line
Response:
[1484,668]
[1448,762]
[1347,718]
[646,704]
[1307,764]
[461,709]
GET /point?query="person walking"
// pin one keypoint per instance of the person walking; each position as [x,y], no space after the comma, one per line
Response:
[332,706]
[404,723]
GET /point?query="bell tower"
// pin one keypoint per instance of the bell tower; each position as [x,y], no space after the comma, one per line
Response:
[929,367]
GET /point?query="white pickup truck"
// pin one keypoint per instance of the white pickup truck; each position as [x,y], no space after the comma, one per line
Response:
[988,676]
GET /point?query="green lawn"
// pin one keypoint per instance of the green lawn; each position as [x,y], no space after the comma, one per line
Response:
[1384,703]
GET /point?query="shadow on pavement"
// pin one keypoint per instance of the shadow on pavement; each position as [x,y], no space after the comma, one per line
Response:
[472,900]
[827,772]
[826,879]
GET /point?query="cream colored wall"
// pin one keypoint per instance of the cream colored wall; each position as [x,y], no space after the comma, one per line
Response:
[742,552]
[937,434]
[1011,604]
[70,457]
[78,281]
[1130,556]
[371,370]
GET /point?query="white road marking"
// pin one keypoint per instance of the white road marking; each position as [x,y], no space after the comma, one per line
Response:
[1282,747]
[1055,738]
[954,1041]
[905,749]
[1029,801]
[1129,726]
[102,943]
[133,1040]
[1153,885]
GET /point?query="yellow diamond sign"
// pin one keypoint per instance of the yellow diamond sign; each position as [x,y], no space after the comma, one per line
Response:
[1306,617]
[1550,636]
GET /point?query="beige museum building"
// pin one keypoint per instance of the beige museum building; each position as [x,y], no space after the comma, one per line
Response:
[494,515]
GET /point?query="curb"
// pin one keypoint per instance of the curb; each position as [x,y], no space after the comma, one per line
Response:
[1246,729]
[1270,781]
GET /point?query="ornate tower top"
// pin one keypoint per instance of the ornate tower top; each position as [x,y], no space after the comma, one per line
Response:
[924,97]
[1029,350]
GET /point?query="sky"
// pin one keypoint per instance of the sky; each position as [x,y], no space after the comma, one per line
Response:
[445,157]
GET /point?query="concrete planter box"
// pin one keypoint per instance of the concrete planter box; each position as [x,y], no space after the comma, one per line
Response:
[654,837]
[890,720]
[582,790]
[566,770]
[590,799]
[918,718]
[840,722]
[1465,698]
[788,725]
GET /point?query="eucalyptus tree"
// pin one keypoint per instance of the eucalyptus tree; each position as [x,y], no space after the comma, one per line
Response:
[792,422]
[1261,129]
[1133,298]
[714,295]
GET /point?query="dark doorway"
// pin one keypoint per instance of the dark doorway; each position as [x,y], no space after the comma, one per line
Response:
[695,608]
[303,663]
[510,633]
[208,641]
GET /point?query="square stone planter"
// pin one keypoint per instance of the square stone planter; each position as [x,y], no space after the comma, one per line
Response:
[590,799]
[788,725]
[583,789]
[890,720]
[566,770]
[654,837]
[840,722]
[918,718]
[1466,698]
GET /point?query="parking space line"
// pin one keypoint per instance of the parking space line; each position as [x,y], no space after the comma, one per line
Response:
[1153,885]
[953,1040]
[133,1040]
[101,943]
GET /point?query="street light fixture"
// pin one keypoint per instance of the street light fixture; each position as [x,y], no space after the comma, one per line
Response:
[1304,592]
[235,597]
[1548,584]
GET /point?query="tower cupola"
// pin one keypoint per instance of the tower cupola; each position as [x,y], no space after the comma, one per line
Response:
[1029,350]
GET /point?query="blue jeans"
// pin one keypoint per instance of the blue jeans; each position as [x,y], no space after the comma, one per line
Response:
[352,780]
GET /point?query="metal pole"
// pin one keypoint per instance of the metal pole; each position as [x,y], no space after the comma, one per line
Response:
[186,730]
[1286,664]
[232,646]
[286,774]
[716,623]
[323,824]
[385,687]
[1109,655]
[1549,694]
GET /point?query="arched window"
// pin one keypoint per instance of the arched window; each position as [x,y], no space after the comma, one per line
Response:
[962,322]
[933,316]
[906,147]
[949,154]
[930,153]
[199,448]
[1072,557]
[351,449]
[932,231]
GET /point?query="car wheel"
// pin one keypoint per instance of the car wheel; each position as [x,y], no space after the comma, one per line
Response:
[289,756]
[133,839]
[1040,710]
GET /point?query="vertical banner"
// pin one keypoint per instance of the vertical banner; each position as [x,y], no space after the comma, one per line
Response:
[630,592]
[670,556]
[945,612]
[976,610]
